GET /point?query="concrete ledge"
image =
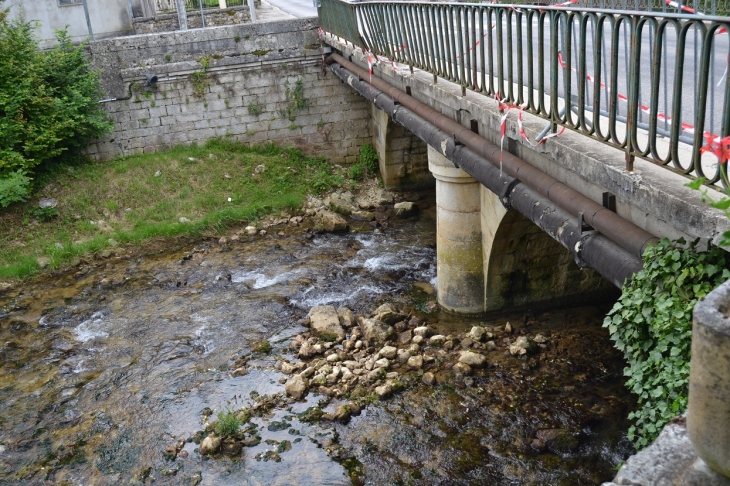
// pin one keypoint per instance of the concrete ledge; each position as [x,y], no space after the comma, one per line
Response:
[669,461]
[652,197]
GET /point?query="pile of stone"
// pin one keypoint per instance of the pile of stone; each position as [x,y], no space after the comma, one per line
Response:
[360,356]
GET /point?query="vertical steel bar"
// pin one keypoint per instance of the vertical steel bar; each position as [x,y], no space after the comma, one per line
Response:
[520,48]
[88,20]
[510,61]
[462,49]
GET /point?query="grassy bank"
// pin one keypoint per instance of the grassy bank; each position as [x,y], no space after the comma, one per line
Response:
[188,191]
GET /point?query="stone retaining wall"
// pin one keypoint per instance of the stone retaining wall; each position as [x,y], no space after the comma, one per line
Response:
[256,83]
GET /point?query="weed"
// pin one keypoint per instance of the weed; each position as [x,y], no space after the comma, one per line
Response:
[45,214]
[250,133]
[168,57]
[247,36]
[228,423]
[200,82]
[237,39]
[226,102]
[295,100]
[320,124]
[367,164]
[254,109]
[143,120]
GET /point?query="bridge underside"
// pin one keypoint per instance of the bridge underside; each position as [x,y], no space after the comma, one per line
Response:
[501,260]
[488,257]
[491,258]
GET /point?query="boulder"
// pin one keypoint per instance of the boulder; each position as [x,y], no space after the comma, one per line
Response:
[558,441]
[477,333]
[330,221]
[363,216]
[415,362]
[388,313]
[389,352]
[522,346]
[405,337]
[306,350]
[422,331]
[405,209]
[296,386]
[474,360]
[428,378]
[437,340]
[462,368]
[343,203]
[210,445]
[375,332]
[347,318]
[390,387]
[325,323]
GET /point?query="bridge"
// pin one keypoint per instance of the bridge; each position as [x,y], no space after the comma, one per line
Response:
[542,125]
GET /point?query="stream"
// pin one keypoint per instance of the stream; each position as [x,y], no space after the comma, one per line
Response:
[106,365]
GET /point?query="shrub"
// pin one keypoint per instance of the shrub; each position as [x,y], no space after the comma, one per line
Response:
[651,325]
[48,102]
[14,188]
[367,165]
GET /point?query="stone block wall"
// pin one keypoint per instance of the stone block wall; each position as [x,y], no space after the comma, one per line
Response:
[256,83]
[402,156]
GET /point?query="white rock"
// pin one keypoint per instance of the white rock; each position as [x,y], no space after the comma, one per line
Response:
[389,352]
[477,333]
[422,331]
[437,340]
[472,359]
[382,363]
[415,362]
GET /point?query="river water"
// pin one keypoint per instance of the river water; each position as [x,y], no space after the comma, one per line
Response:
[106,365]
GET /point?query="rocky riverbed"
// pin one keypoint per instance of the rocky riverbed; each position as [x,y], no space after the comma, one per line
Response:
[328,350]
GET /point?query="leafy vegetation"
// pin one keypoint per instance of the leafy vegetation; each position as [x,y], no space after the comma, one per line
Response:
[651,325]
[228,424]
[48,105]
[367,165]
[132,199]
[295,100]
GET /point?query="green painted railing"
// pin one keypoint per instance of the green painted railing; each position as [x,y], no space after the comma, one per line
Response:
[654,84]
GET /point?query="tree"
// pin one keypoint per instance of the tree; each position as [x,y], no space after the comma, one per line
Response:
[48,104]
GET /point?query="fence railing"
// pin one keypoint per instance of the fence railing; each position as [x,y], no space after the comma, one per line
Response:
[168,6]
[654,84]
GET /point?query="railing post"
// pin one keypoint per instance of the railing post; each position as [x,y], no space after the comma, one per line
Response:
[182,15]
[252,9]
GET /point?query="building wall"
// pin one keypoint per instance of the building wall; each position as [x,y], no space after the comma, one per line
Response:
[256,75]
[108,18]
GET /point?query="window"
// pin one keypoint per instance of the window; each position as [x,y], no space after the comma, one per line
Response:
[69,2]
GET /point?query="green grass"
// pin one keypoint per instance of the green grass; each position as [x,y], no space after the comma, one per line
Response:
[136,204]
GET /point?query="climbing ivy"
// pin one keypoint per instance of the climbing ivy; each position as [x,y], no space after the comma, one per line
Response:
[651,325]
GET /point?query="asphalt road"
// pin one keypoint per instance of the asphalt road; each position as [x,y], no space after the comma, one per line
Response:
[297,8]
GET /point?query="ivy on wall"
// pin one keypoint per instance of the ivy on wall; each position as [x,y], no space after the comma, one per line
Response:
[652,325]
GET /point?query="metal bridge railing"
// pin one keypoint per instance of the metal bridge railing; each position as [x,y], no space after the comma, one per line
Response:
[654,84]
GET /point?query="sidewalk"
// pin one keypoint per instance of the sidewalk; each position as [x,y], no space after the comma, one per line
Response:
[268,13]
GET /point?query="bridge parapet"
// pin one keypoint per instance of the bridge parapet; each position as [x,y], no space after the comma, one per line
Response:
[650,197]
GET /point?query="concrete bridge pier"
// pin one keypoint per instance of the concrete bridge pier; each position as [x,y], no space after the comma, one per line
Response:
[459,258]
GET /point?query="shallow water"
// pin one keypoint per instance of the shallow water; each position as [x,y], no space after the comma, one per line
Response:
[107,365]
